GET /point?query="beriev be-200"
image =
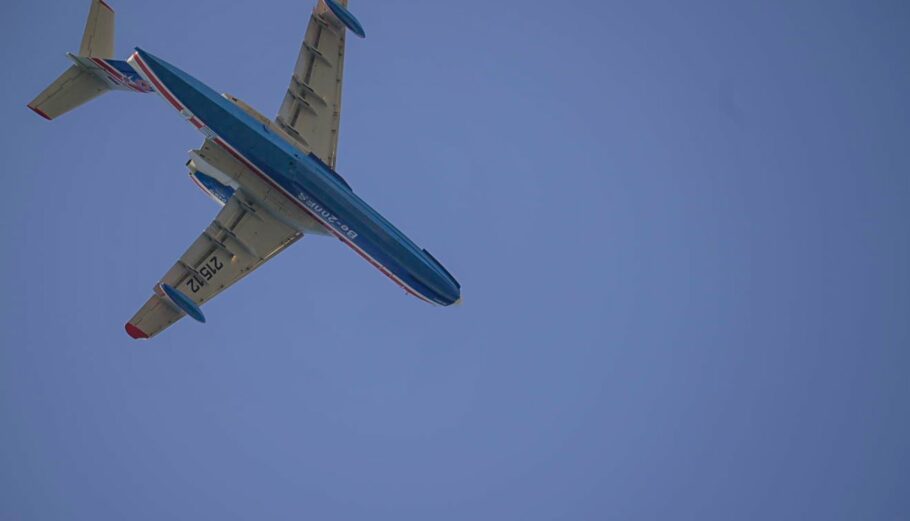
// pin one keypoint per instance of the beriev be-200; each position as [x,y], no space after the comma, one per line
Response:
[275,179]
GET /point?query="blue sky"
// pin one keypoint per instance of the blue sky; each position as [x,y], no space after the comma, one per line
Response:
[680,229]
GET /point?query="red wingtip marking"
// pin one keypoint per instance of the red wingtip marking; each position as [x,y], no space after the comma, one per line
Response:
[39,112]
[134,331]
[102,2]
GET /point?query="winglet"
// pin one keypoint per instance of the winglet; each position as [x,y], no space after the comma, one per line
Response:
[135,332]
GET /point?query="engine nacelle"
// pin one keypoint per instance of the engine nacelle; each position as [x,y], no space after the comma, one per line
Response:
[215,184]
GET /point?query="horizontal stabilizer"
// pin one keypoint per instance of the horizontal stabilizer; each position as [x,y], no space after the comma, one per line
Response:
[73,88]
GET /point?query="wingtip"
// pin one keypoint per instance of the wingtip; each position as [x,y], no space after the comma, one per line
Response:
[39,112]
[105,4]
[135,332]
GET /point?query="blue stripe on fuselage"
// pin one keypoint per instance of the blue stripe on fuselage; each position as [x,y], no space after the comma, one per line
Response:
[315,186]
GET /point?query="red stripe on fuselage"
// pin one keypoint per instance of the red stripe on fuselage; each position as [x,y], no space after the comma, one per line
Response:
[106,66]
[165,92]
[154,79]
[117,76]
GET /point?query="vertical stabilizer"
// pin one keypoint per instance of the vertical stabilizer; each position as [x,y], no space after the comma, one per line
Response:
[98,38]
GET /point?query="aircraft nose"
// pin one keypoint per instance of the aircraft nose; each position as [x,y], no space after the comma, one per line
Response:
[447,290]
[439,281]
[451,293]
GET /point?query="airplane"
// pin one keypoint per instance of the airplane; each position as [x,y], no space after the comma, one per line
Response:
[275,179]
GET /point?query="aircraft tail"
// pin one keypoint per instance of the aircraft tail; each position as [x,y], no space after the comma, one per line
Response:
[93,73]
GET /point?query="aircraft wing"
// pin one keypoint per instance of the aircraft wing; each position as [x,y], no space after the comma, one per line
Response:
[311,108]
[240,239]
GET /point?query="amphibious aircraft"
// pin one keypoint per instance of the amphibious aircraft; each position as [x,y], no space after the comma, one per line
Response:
[274,178]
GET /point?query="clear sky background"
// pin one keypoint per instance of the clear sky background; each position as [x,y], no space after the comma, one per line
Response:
[681,229]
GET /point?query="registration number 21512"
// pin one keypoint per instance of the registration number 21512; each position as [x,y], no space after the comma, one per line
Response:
[208,270]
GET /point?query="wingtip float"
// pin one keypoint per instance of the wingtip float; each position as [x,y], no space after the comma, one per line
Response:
[346,17]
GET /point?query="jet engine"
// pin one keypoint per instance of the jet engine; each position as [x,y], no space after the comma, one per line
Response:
[219,187]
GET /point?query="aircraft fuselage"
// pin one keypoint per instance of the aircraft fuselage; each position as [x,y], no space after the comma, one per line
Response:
[302,189]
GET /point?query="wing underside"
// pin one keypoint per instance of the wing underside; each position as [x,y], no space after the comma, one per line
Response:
[242,237]
[311,110]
